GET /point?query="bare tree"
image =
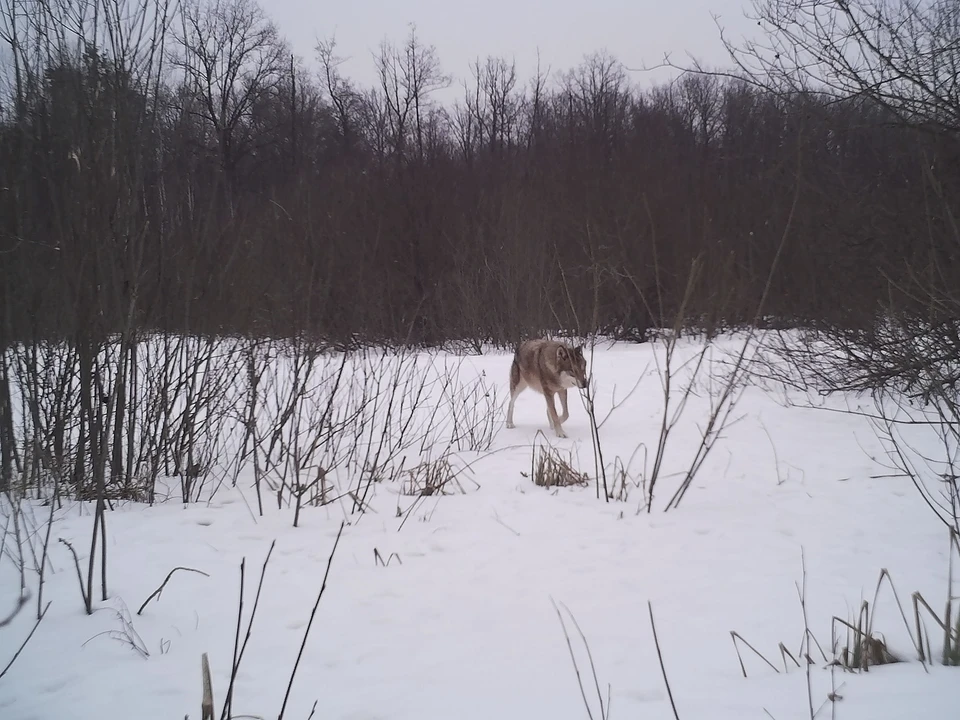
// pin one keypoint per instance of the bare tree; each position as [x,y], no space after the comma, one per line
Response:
[407,77]
[596,91]
[231,56]
[344,96]
[900,54]
[493,104]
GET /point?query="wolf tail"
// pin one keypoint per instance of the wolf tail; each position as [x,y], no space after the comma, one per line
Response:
[515,367]
[515,372]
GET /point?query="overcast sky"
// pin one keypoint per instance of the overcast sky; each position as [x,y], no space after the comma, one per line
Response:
[635,31]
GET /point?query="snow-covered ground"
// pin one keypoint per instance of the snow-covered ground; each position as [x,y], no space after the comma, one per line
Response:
[461,624]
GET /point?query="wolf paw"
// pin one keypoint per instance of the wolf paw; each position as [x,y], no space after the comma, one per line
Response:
[510,425]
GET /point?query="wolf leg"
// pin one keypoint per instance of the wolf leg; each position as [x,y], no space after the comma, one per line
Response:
[552,415]
[563,404]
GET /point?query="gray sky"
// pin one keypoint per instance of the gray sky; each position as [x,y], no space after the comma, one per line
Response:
[635,31]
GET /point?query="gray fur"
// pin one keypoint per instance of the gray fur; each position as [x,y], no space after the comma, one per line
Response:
[550,368]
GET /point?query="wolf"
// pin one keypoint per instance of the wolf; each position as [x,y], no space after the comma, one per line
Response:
[549,367]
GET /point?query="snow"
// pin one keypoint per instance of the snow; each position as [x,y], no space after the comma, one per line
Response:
[461,624]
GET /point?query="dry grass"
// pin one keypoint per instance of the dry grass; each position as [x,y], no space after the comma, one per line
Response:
[433,477]
[549,469]
[864,648]
[858,646]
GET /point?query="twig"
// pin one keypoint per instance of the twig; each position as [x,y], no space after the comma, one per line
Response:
[802,591]
[832,696]
[776,459]
[784,654]
[21,601]
[604,711]
[206,705]
[238,656]
[46,541]
[496,517]
[225,713]
[156,593]
[76,561]
[737,636]
[127,634]
[378,558]
[573,657]
[306,634]
[24,643]
[663,669]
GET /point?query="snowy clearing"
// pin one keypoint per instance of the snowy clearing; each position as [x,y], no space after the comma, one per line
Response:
[457,620]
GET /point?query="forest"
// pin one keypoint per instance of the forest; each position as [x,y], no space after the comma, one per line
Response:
[177,169]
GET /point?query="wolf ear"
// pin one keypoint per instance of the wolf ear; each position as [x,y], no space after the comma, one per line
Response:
[562,353]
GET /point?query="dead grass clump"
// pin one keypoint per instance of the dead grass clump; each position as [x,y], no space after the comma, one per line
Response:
[549,469]
[863,648]
[950,622]
[432,477]
[857,646]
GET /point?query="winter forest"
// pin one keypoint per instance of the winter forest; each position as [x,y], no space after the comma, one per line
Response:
[247,302]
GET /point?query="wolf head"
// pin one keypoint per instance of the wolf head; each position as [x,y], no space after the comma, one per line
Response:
[572,366]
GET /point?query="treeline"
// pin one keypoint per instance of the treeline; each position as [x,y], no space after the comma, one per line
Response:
[183,172]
